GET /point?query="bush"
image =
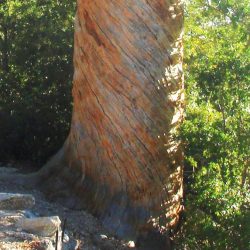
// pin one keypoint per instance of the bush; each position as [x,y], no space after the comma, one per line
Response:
[36,49]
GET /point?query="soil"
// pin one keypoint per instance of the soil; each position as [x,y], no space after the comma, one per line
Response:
[81,226]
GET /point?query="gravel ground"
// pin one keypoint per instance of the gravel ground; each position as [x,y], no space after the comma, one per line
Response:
[81,227]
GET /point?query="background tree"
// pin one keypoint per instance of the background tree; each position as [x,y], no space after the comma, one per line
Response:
[217,128]
[36,41]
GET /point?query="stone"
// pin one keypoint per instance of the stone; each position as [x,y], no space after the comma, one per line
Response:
[103,236]
[71,244]
[8,170]
[12,235]
[9,201]
[8,218]
[131,244]
[44,244]
[29,214]
[42,226]
[98,239]
[65,238]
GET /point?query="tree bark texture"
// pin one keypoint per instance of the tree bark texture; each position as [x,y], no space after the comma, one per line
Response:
[121,160]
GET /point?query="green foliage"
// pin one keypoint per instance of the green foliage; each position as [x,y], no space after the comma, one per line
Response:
[36,40]
[216,131]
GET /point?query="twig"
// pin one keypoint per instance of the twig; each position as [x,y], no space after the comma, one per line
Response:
[63,229]
[56,239]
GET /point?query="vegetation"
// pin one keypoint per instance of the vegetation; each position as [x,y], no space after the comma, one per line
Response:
[216,131]
[36,40]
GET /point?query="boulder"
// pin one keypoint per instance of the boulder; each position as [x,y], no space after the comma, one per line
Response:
[42,226]
[10,201]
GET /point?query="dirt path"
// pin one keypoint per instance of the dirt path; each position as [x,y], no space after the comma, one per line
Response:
[85,229]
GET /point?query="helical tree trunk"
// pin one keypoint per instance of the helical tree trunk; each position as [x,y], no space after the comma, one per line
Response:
[121,160]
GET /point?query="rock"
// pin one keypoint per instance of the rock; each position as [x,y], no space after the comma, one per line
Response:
[10,201]
[12,235]
[65,238]
[14,245]
[103,236]
[46,245]
[101,241]
[42,226]
[97,239]
[41,245]
[29,214]
[7,218]
[70,245]
[7,170]
[131,244]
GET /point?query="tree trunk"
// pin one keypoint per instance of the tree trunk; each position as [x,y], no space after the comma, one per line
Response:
[121,160]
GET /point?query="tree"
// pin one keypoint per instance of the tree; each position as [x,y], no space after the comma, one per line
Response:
[121,159]
[36,46]
[216,129]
